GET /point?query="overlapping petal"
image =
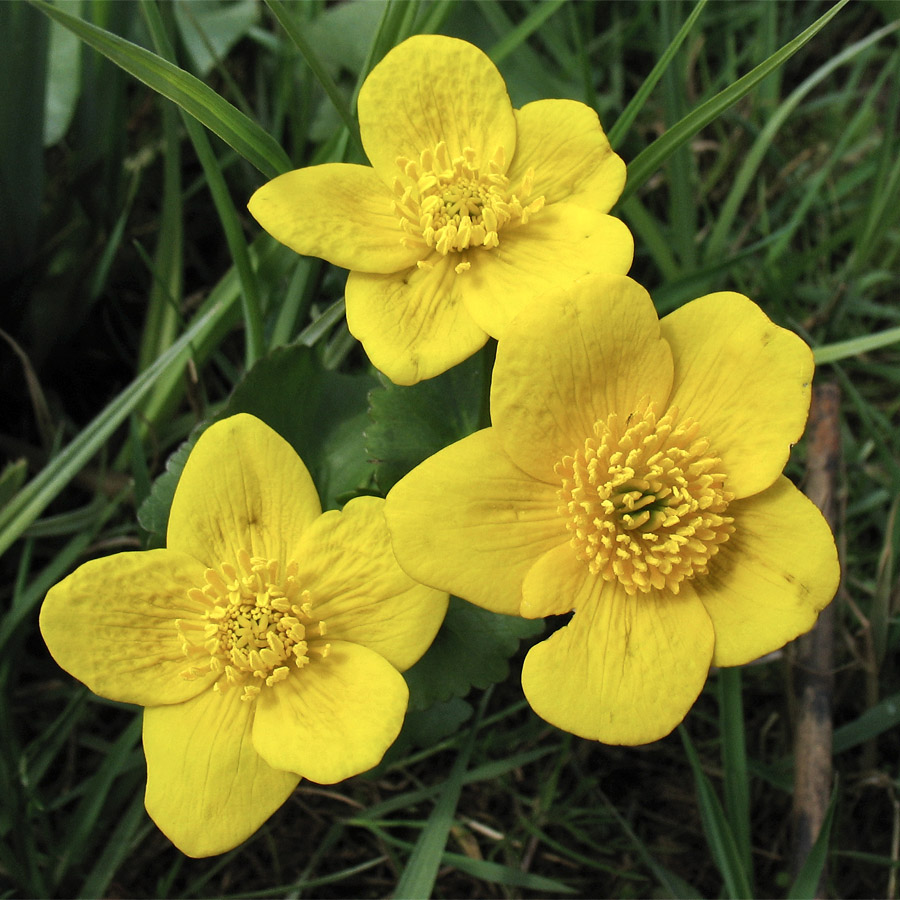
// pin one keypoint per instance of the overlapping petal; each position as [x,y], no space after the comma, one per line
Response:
[626,669]
[561,244]
[746,381]
[359,589]
[470,521]
[557,583]
[337,211]
[207,787]
[243,488]
[433,88]
[112,624]
[563,142]
[413,325]
[769,582]
[335,717]
[568,360]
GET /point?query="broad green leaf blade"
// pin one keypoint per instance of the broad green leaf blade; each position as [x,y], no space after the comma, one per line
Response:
[718,833]
[30,502]
[648,161]
[192,95]
[470,650]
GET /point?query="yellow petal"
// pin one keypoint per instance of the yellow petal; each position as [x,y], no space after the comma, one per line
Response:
[207,787]
[560,244]
[745,380]
[470,522]
[562,141]
[112,624]
[568,360]
[243,487]
[625,670]
[413,325]
[429,89]
[556,584]
[769,581]
[335,717]
[336,211]
[359,589]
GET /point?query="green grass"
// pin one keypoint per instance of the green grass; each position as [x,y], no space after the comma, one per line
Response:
[763,144]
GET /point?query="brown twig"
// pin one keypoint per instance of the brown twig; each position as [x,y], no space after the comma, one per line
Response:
[814,659]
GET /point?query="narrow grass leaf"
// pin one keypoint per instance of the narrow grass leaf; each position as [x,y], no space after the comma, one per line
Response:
[829,353]
[734,761]
[806,884]
[636,104]
[199,100]
[718,832]
[742,180]
[31,501]
[649,160]
[418,878]
[538,15]
[290,24]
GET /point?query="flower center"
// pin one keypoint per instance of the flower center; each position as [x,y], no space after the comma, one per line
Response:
[645,500]
[258,623]
[454,204]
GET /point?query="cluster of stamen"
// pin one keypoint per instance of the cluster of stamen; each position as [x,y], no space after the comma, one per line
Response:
[455,204]
[256,625]
[645,500]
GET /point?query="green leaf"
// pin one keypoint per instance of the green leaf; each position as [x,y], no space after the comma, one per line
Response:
[322,414]
[649,160]
[210,28]
[11,479]
[153,513]
[192,95]
[806,884]
[409,424]
[31,501]
[471,650]
[63,79]
[718,833]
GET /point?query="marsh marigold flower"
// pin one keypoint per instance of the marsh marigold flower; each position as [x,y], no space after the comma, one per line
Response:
[632,474]
[469,209]
[266,641]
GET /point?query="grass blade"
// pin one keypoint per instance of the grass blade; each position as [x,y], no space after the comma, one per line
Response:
[251,141]
[648,161]
[30,502]
[718,832]
[806,884]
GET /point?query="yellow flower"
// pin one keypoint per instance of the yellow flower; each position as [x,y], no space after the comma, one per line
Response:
[264,641]
[470,208]
[632,474]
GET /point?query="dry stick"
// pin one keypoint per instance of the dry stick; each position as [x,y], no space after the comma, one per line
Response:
[814,659]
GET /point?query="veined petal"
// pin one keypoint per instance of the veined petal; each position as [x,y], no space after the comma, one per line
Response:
[207,787]
[359,589]
[337,211]
[112,624]
[468,521]
[243,488]
[429,89]
[626,669]
[745,380]
[414,324]
[771,579]
[556,584]
[568,360]
[562,243]
[335,717]
[562,141]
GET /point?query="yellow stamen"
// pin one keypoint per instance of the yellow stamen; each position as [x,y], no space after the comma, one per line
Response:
[456,204]
[644,500]
[258,626]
